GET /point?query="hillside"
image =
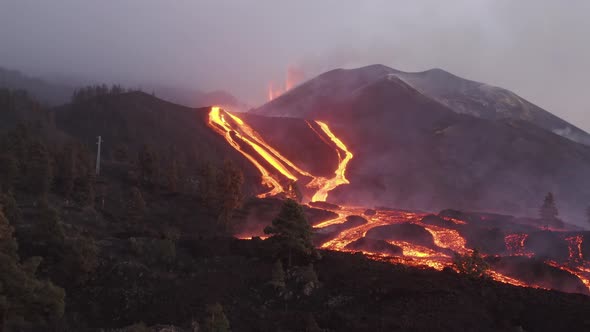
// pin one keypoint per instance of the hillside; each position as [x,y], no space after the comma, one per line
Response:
[414,152]
[133,120]
[460,95]
[125,249]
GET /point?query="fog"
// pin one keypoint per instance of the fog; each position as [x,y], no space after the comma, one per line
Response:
[535,48]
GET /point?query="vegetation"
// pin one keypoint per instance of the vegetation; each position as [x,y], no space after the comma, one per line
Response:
[292,232]
[136,206]
[229,190]
[548,210]
[278,275]
[127,261]
[22,294]
[472,265]
[216,320]
[94,91]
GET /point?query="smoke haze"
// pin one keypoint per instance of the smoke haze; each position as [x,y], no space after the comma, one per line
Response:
[535,48]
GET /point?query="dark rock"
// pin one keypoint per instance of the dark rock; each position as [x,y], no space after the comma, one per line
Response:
[325,205]
[402,232]
[375,246]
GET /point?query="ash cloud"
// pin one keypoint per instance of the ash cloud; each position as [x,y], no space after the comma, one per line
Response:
[538,49]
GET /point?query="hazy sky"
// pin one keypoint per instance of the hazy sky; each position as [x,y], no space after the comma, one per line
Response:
[539,49]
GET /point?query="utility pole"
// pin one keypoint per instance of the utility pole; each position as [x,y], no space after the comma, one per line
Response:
[98,156]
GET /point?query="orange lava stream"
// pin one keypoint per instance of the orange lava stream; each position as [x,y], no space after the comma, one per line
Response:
[220,125]
[447,240]
[339,178]
[246,134]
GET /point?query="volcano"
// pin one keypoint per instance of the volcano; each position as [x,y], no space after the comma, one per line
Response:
[420,142]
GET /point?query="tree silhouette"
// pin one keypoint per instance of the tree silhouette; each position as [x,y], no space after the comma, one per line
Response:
[291,231]
[22,295]
[136,206]
[216,320]
[548,211]
[229,184]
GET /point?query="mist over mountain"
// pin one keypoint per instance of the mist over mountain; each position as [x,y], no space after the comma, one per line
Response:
[461,95]
[45,92]
[59,91]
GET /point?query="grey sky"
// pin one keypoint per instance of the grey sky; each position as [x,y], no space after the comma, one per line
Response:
[539,49]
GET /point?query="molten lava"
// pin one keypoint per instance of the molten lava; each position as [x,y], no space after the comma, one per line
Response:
[239,134]
[515,244]
[575,248]
[278,174]
[326,185]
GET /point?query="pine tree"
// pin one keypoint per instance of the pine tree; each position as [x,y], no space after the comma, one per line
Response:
[278,275]
[121,153]
[10,207]
[8,245]
[291,230]
[8,171]
[22,295]
[38,173]
[216,320]
[147,165]
[548,210]
[136,206]
[229,182]
[65,171]
[172,176]
[48,232]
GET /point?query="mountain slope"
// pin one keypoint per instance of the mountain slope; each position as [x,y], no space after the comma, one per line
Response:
[488,102]
[134,119]
[412,151]
[461,95]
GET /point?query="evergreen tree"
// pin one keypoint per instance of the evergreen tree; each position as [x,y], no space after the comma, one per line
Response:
[278,275]
[48,233]
[121,153]
[10,207]
[216,320]
[208,186]
[229,184]
[291,231]
[147,165]
[136,206]
[65,172]
[548,210]
[8,171]
[22,295]
[8,245]
[172,176]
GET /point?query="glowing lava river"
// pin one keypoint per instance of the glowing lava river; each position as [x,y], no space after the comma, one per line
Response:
[410,238]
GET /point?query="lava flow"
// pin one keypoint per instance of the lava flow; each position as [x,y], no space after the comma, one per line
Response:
[388,235]
[237,133]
